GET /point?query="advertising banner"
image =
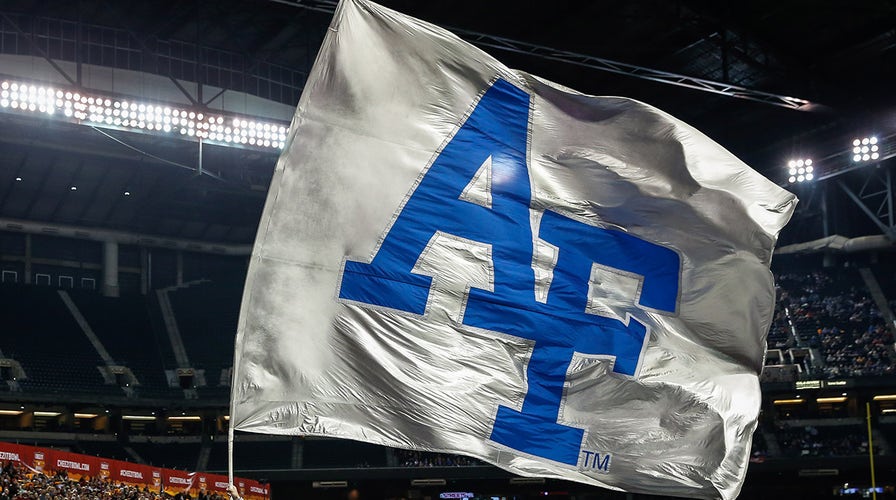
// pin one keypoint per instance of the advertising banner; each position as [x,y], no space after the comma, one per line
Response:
[170,481]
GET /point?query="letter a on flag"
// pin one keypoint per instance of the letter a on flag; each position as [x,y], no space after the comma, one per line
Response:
[459,257]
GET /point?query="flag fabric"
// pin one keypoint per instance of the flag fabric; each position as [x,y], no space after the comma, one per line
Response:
[460,257]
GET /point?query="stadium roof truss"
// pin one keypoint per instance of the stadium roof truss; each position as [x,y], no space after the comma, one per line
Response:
[728,50]
[719,72]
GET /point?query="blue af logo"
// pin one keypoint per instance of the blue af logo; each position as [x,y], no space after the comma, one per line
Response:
[495,136]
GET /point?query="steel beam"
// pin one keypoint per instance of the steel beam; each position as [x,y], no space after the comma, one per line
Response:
[152,60]
[882,216]
[40,51]
[845,158]
[631,70]
[598,63]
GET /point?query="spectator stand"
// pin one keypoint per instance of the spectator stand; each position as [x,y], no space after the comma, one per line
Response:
[838,330]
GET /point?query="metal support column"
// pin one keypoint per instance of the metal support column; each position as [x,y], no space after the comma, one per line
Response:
[27,259]
[875,199]
[828,259]
[110,269]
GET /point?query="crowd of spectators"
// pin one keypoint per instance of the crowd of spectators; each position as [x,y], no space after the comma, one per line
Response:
[20,483]
[809,441]
[839,318]
[408,458]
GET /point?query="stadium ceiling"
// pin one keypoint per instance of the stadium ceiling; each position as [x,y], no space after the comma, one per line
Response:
[841,57]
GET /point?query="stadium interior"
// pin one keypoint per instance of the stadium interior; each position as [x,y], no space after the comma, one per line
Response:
[138,141]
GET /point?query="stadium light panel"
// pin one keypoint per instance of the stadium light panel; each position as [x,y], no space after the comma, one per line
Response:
[885,397]
[865,149]
[138,417]
[85,415]
[185,418]
[838,399]
[10,413]
[789,401]
[117,113]
[800,170]
[47,413]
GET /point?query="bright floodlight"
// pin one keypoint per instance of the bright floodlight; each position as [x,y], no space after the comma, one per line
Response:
[800,170]
[865,149]
[113,112]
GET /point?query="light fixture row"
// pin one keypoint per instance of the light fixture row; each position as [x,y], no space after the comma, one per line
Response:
[126,192]
[864,150]
[135,116]
[52,414]
[800,170]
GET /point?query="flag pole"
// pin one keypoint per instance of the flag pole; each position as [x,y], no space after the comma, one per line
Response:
[871,451]
[230,424]
[230,452]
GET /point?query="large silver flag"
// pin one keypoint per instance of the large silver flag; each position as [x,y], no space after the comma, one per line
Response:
[460,257]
